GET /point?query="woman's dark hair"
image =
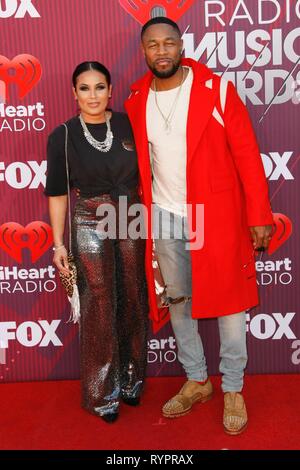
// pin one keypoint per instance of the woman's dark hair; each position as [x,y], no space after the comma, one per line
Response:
[90,65]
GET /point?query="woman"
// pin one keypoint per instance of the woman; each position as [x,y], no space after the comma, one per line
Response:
[111,279]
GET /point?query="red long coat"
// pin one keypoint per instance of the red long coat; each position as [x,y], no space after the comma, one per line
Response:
[225,173]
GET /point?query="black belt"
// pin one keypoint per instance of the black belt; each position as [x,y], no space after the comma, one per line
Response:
[114,193]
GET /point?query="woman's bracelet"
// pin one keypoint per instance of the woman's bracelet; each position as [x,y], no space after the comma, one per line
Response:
[58,247]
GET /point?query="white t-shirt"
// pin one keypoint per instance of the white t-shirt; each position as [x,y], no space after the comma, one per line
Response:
[168,150]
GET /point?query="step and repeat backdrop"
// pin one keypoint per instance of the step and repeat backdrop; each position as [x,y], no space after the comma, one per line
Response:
[253,43]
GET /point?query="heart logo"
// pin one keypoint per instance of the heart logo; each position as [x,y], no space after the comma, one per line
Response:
[283,231]
[24,71]
[37,236]
[143,11]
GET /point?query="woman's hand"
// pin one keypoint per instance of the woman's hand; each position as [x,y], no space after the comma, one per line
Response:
[60,259]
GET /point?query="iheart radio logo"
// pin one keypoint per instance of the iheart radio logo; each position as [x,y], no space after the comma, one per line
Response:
[24,71]
[283,231]
[144,10]
[36,236]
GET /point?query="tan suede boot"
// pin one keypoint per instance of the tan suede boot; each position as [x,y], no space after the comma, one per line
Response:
[191,392]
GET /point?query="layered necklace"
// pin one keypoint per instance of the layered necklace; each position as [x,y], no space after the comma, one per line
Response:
[106,144]
[167,119]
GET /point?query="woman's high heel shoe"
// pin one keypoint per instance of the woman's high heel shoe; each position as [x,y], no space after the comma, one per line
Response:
[110,417]
[134,401]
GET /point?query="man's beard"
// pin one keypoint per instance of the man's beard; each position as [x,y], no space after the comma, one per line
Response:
[167,73]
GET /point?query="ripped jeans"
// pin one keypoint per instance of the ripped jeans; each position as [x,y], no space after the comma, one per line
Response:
[175,266]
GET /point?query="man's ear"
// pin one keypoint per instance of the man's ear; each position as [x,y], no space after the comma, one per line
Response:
[142,49]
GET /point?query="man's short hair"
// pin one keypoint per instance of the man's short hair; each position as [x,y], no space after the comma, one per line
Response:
[160,20]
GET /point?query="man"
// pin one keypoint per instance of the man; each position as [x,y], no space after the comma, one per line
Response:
[203,151]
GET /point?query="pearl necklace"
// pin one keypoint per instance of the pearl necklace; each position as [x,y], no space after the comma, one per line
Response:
[106,144]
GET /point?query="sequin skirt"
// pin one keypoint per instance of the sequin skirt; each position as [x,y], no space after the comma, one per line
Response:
[113,307]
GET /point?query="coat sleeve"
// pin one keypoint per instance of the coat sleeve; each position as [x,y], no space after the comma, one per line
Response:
[245,152]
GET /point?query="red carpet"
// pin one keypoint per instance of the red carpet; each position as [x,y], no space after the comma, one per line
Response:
[47,415]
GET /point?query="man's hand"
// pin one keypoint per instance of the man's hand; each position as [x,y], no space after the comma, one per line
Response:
[261,236]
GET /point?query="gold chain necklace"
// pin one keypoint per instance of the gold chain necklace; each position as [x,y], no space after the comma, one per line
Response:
[167,119]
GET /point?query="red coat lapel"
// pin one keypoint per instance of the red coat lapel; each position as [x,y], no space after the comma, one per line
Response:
[202,102]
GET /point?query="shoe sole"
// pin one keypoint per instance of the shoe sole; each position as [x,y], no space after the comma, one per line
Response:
[185,412]
[235,433]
